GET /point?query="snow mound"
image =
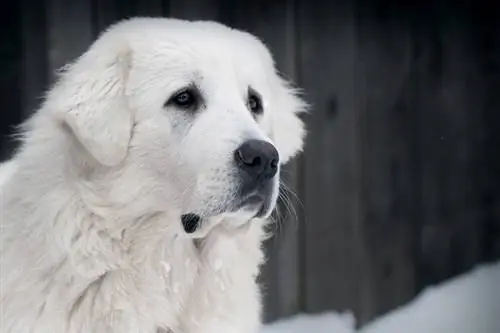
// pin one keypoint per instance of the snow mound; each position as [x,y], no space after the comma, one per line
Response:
[467,304]
[318,323]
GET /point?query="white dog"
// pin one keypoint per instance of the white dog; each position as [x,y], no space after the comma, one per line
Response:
[137,200]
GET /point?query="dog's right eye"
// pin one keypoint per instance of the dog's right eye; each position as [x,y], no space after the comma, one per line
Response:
[184,99]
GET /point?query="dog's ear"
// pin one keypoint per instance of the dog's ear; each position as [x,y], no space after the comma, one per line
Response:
[90,99]
[288,130]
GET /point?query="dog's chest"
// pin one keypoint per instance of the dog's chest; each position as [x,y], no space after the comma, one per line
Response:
[174,275]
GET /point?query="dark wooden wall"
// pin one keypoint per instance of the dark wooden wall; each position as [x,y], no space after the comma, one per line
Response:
[399,185]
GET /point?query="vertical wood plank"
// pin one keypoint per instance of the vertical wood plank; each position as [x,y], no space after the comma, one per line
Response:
[194,9]
[488,51]
[69,31]
[10,69]
[331,162]
[452,230]
[34,60]
[389,225]
[106,13]
[152,8]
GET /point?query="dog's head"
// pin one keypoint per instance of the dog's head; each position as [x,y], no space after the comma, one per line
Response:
[192,115]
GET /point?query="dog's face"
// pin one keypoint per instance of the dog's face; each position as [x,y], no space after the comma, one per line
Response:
[192,112]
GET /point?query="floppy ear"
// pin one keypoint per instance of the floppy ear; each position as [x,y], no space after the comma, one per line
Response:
[288,131]
[90,99]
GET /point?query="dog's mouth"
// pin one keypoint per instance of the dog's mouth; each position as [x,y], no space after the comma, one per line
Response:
[256,203]
[255,206]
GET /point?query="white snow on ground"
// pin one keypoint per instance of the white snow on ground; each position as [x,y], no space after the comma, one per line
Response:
[467,304]
[320,323]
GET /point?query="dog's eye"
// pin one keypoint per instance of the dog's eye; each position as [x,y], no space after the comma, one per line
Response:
[184,99]
[254,103]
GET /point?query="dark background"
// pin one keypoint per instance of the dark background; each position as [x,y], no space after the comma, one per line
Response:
[398,188]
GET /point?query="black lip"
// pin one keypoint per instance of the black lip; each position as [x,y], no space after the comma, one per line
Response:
[263,208]
[257,201]
[253,200]
[190,222]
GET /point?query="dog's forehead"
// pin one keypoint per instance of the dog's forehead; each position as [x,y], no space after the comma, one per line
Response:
[207,45]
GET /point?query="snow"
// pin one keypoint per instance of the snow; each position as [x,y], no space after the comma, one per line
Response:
[319,323]
[467,304]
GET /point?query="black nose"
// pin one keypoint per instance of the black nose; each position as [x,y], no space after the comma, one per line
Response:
[258,158]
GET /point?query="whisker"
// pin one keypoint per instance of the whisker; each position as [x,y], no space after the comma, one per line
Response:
[290,200]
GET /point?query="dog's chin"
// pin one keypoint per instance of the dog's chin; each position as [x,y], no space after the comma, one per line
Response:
[257,205]
[254,206]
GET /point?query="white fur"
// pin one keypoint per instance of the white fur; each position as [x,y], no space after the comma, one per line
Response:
[91,238]
[6,171]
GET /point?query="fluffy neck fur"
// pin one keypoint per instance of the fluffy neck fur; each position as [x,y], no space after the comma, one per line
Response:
[132,273]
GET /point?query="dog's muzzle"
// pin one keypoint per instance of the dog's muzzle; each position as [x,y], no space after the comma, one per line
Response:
[258,163]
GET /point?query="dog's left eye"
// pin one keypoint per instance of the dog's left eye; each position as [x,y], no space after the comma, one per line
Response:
[184,99]
[254,103]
